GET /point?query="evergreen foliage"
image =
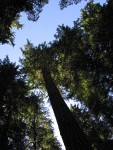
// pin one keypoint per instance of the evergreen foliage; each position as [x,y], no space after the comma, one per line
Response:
[10,13]
[24,122]
[80,61]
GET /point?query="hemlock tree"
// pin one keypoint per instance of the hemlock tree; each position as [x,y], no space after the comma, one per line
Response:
[38,62]
[81,61]
[88,58]
[12,95]
[39,131]
[24,122]
[85,53]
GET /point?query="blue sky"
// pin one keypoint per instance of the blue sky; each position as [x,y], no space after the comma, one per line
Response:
[42,30]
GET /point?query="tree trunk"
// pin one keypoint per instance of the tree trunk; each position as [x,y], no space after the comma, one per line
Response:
[72,135]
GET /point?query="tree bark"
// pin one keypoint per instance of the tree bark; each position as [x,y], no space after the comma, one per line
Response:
[72,135]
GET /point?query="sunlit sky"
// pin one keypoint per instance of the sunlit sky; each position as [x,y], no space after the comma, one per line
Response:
[42,30]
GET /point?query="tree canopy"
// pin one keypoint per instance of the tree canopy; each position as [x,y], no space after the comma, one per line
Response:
[10,13]
[80,60]
[24,122]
